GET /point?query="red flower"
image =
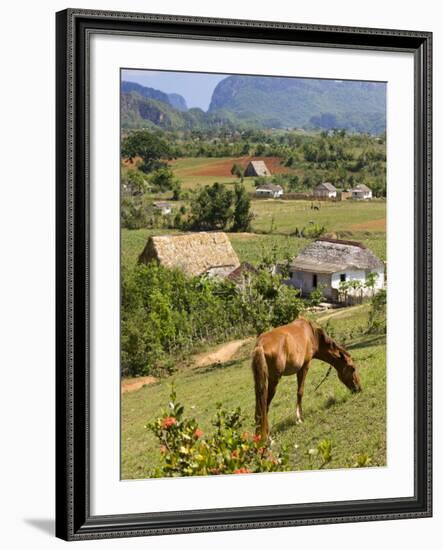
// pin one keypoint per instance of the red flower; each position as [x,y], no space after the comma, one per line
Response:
[242,471]
[256,438]
[168,421]
[198,433]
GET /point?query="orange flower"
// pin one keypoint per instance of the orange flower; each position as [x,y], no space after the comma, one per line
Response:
[168,421]
[198,433]
[234,453]
[242,471]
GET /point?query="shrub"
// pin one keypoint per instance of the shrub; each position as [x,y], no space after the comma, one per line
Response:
[377,313]
[167,314]
[188,451]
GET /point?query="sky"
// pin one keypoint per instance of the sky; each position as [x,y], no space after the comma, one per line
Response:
[196,88]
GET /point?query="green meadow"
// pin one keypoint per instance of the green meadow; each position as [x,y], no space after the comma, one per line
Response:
[354,423]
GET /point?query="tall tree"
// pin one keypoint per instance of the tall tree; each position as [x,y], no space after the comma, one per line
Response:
[212,208]
[153,150]
[242,216]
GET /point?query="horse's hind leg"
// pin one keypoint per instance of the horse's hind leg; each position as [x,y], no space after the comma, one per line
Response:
[301,377]
[272,388]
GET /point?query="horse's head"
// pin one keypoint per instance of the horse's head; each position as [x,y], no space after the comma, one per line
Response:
[339,358]
[347,371]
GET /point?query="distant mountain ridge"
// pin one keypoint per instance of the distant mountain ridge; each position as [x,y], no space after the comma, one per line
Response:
[262,102]
[285,102]
[174,100]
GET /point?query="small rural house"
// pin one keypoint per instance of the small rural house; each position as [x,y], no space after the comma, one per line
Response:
[194,253]
[269,190]
[325,190]
[329,262]
[257,168]
[163,207]
[361,192]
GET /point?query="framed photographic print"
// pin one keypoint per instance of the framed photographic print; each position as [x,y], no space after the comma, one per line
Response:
[243,274]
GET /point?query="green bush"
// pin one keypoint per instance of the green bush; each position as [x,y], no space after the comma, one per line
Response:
[377,313]
[187,451]
[166,314]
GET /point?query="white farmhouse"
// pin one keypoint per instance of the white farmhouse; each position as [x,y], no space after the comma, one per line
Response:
[329,262]
[325,190]
[269,190]
[361,192]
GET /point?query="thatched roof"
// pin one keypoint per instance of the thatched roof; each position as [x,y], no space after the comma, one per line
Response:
[325,186]
[258,168]
[193,253]
[332,255]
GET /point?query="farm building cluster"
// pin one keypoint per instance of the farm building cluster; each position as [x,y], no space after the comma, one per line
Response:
[325,263]
[324,190]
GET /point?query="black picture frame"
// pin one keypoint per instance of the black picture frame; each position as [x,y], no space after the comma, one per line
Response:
[74,27]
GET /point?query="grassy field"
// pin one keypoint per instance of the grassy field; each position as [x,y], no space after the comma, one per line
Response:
[355,424]
[361,221]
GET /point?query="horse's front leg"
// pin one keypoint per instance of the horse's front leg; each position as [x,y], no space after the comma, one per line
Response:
[301,377]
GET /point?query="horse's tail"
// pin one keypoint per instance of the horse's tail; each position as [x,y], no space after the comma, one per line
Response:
[260,370]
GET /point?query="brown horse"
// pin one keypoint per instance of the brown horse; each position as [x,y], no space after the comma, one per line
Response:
[289,350]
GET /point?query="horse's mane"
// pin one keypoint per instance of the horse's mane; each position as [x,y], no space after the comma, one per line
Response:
[319,331]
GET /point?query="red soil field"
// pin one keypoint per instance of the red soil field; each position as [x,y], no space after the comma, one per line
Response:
[223,167]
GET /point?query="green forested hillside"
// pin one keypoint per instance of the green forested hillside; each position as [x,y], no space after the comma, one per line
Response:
[302,102]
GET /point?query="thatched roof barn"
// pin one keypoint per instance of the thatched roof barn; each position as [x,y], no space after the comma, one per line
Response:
[332,262]
[257,168]
[325,189]
[193,253]
[361,191]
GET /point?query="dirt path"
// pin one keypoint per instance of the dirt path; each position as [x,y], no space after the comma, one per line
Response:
[132,384]
[339,312]
[220,355]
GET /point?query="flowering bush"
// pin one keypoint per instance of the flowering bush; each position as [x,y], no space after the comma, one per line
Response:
[187,451]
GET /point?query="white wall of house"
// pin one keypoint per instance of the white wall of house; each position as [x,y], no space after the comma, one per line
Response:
[325,193]
[304,280]
[269,193]
[358,275]
[362,195]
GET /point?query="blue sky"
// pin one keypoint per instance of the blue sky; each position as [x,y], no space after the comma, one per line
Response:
[196,88]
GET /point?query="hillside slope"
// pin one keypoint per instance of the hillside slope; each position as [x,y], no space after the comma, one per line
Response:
[302,102]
